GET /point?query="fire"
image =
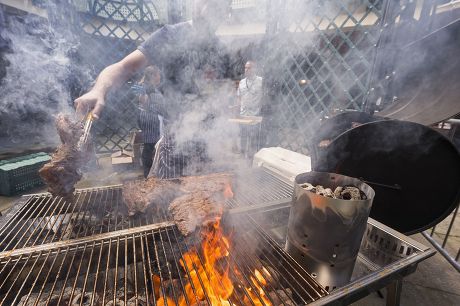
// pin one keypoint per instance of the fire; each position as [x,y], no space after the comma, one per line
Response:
[258,282]
[205,279]
[208,276]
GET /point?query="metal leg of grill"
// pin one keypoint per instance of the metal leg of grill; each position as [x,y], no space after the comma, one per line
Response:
[394,293]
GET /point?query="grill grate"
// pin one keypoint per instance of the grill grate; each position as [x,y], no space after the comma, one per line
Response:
[45,219]
[258,186]
[115,269]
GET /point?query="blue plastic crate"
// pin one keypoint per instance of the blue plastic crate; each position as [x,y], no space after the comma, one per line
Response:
[21,173]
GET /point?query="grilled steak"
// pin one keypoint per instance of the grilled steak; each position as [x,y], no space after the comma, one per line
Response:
[194,200]
[63,171]
[195,209]
[151,195]
[212,183]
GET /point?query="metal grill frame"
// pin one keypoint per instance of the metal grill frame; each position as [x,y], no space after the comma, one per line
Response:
[288,271]
[40,218]
[387,255]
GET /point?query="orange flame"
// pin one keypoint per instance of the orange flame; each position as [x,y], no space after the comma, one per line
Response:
[207,279]
[260,297]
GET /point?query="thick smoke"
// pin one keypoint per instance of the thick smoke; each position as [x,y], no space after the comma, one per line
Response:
[36,84]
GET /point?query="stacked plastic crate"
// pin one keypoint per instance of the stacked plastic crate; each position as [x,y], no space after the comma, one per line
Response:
[21,173]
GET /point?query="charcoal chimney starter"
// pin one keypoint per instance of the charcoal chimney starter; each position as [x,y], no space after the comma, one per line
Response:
[324,234]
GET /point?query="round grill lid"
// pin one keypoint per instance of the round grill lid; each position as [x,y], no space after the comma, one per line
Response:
[340,123]
[414,170]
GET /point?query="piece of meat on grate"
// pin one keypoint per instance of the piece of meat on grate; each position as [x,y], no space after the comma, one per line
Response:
[150,195]
[212,183]
[63,171]
[195,209]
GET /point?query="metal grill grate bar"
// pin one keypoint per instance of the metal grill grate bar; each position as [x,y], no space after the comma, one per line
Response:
[45,219]
[135,267]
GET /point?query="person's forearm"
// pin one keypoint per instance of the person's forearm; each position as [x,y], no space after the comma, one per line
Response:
[112,77]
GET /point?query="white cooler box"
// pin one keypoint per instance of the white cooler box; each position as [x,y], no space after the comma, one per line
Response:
[287,164]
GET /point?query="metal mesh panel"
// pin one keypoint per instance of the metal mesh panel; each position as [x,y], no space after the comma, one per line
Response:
[238,4]
[326,50]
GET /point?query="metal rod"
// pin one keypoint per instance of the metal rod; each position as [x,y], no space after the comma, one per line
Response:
[432,230]
[83,240]
[162,279]
[117,252]
[147,276]
[33,222]
[248,258]
[186,270]
[27,205]
[48,223]
[443,252]
[106,276]
[74,286]
[198,274]
[134,250]
[289,260]
[125,289]
[394,186]
[66,252]
[18,292]
[45,281]
[394,293]
[36,279]
[11,271]
[66,226]
[176,262]
[149,261]
[454,215]
[18,231]
[70,205]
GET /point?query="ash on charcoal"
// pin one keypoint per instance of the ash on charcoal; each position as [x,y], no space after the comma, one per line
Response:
[140,301]
[84,299]
[343,193]
[63,171]
[282,297]
[34,299]
[117,302]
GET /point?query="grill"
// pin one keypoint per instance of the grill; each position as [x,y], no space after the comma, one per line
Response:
[87,252]
[109,269]
[41,218]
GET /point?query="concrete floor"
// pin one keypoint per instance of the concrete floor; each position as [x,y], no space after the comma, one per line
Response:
[435,282]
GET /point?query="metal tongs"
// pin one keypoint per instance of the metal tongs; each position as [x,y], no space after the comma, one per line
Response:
[83,142]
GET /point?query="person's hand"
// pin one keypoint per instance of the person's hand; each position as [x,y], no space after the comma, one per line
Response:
[91,101]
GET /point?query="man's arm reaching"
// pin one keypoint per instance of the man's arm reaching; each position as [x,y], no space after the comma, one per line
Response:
[112,77]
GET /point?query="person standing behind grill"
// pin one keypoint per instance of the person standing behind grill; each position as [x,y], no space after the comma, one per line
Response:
[151,115]
[181,50]
[250,91]
[250,99]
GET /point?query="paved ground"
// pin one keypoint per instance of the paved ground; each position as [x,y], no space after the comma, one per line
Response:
[434,283]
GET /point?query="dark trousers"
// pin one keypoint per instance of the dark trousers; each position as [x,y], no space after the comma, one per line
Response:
[147,157]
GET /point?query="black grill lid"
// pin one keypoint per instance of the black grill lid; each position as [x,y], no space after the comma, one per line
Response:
[414,170]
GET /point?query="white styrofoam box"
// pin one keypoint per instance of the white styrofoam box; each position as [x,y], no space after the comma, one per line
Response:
[287,164]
